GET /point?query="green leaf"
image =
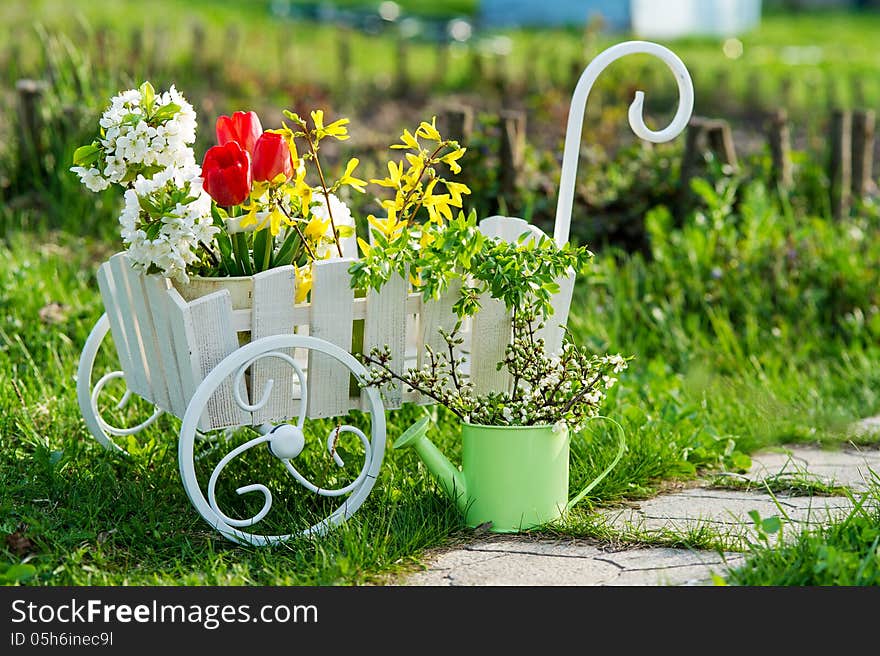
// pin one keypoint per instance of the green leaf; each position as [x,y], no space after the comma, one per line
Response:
[166,112]
[86,155]
[263,243]
[740,461]
[18,573]
[242,253]
[149,95]
[288,246]
[148,206]
[153,229]
[771,524]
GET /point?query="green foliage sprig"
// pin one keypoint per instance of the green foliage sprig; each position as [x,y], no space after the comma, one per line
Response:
[547,389]
[523,274]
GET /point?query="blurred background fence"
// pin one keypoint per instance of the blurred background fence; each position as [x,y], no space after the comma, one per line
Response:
[784,93]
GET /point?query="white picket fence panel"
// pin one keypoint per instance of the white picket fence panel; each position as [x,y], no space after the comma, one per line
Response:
[167,346]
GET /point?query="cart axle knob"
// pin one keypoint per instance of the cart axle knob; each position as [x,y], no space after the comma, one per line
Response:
[286,441]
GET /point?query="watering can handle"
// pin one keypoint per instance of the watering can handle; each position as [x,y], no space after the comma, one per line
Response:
[621,448]
[636,120]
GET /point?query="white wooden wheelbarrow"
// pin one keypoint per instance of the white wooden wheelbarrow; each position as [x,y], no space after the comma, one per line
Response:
[269,364]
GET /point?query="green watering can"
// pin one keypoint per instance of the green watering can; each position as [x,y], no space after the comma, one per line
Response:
[514,477]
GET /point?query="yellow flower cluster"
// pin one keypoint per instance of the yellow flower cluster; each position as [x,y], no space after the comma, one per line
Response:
[417,183]
[291,202]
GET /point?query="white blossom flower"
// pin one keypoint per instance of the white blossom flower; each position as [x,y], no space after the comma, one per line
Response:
[341,217]
[136,141]
[91,178]
[181,228]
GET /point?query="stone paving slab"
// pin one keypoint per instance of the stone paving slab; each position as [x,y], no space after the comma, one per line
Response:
[868,426]
[525,560]
[850,467]
[725,511]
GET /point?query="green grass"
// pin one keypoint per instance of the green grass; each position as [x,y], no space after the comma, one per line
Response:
[843,553]
[92,517]
[754,320]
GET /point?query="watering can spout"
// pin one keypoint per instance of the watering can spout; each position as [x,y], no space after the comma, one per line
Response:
[450,478]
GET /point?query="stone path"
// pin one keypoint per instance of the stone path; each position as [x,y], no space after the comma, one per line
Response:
[523,560]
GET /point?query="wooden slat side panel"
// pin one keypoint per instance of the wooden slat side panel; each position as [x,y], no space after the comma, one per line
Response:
[138,379]
[331,320]
[107,286]
[552,331]
[436,315]
[507,228]
[162,310]
[385,325]
[183,343]
[150,320]
[490,335]
[214,339]
[150,342]
[273,314]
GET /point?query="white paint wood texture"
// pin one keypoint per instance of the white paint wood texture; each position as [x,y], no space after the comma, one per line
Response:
[434,316]
[146,318]
[177,366]
[214,339]
[332,301]
[273,310]
[385,324]
[552,331]
[241,319]
[183,343]
[490,335]
[507,228]
[137,379]
[350,247]
[107,287]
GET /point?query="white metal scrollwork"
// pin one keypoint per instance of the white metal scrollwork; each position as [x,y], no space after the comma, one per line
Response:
[88,396]
[285,441]
[283,454]
[636,120]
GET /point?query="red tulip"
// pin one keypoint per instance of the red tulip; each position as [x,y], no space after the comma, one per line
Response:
[243,127]
[226,171]
[271,158]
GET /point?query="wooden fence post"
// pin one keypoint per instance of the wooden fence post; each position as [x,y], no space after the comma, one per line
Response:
[458,123]
[721,142]
[30,94]
[441,64]
[198,45]
[779,138]
[703,134]
[343,53]
[840,163]
[136,54]
[863,134]
[511,152]
[401,70]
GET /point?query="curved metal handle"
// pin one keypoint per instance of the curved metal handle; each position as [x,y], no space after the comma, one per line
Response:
[636,120]
[621,448]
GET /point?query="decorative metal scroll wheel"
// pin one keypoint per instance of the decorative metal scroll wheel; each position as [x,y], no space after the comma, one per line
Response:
[286,441]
